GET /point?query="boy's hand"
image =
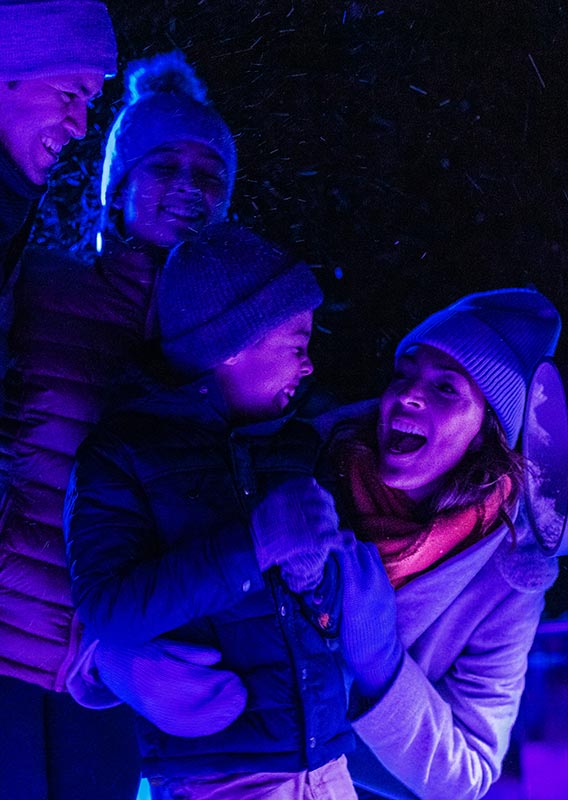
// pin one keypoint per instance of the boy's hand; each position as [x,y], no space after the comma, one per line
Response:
[296,527]
[173,684]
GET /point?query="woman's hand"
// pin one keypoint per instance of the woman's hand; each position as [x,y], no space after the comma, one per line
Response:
[368,632]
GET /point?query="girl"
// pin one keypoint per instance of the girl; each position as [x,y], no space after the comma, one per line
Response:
[437,641]
[169,169]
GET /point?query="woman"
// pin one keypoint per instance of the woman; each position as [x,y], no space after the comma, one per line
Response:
[437,641]
[169,169]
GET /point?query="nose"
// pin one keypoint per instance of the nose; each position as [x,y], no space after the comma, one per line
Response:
[76,120]
[307,367]
[184,181]
[412,395]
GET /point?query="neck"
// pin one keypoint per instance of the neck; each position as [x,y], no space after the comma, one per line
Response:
[16,181]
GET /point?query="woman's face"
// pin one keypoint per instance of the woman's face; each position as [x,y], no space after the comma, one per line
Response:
[429,415]
[172,193]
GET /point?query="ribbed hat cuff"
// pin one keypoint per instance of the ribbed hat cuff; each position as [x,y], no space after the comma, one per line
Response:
[55,37]
[485,356]
[247,322]
[158,119]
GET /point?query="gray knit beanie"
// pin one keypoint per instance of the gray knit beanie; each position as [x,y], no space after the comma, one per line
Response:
[499,338]
[226,291]
[164,102]
[45,38]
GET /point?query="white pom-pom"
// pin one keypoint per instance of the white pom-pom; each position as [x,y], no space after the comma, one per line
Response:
[167,73]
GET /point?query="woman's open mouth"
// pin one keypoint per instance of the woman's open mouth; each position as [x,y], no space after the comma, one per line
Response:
[403,438]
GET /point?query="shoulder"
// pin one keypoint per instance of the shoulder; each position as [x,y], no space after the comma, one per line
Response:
[522,563]
[41,262]
[53,277]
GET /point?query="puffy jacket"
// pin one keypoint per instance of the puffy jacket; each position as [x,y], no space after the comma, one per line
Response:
[158,542]
[75,329]
[18,203]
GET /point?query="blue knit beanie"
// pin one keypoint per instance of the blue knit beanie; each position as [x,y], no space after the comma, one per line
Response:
[165,102]
[226,291]
[45,38]
[499,338]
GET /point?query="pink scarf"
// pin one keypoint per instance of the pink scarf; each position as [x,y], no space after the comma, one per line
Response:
[387,517]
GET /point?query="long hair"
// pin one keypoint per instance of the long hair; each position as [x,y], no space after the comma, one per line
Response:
[480,471]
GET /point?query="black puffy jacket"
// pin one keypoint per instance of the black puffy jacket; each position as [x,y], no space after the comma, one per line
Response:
[75,331]
[158,542]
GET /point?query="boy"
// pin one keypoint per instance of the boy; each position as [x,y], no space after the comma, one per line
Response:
[170,525]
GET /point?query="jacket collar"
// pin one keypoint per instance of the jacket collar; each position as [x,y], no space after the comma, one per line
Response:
[422,601]
[199,402]
[124,265]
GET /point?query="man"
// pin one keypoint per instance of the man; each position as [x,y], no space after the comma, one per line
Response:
[54,56]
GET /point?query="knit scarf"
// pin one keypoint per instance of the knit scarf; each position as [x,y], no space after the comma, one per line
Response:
[389,518]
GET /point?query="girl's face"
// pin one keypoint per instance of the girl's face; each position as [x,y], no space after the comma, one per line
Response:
[172,193]
[429,415]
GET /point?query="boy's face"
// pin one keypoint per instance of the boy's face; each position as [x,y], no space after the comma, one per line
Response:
[260,381]
[430,413]
[38,117]
[172,193]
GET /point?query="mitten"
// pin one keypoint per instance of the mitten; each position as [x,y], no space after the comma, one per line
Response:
[368,631]
[174,685]
[296,527]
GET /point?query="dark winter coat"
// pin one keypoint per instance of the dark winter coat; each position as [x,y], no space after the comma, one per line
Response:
[159,542]
[18,202]
[75,329]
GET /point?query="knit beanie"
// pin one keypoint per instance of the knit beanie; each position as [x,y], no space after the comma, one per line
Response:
[164,102]
[44,38]
[226,291]
[499,338]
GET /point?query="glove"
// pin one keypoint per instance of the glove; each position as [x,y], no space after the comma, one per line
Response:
[296,527]
[174,685]
[368,633]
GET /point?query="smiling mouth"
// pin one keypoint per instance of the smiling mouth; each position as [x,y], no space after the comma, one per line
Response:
[404,438]
[53,148]
[188,215]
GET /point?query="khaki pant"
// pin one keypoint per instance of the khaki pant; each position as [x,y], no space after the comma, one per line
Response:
[330,782]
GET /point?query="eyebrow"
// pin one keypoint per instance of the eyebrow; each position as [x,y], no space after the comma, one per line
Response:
[83,90]
[437,365]
[174,148]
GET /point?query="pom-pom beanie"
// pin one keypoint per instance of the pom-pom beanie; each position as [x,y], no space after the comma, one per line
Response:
[45,38]
[164,102]
[499,338]
[226,291]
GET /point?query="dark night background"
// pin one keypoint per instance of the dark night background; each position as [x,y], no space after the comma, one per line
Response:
[415,150]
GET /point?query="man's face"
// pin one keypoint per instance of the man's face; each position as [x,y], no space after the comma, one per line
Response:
[261,380]
[172,192]
[39,117]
